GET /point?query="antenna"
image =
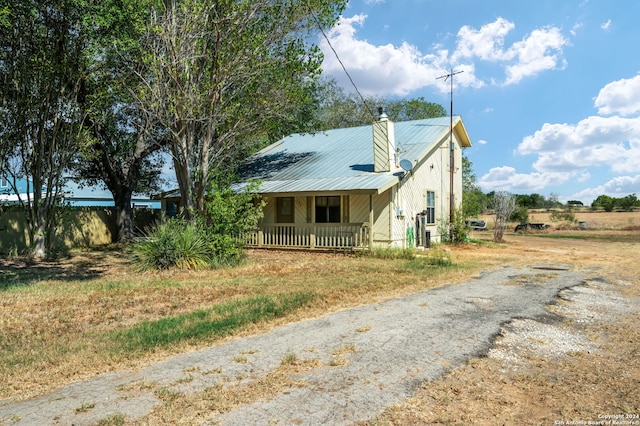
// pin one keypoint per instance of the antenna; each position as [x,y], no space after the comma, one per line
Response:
[451,151]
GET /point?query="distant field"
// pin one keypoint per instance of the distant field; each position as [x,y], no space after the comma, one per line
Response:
[594,220]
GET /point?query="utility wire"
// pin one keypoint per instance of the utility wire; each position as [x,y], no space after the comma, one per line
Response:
[364,102]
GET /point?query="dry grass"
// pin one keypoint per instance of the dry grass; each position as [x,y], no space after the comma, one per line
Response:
[53,319]
[576,388]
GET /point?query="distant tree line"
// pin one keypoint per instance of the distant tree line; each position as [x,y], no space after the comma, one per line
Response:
[476,202]
[609,204]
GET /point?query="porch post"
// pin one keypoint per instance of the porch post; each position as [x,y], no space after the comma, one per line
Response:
[370,221]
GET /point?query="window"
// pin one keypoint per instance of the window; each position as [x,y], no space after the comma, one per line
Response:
[4,183]
[431,207]
[285,210]
[328,209]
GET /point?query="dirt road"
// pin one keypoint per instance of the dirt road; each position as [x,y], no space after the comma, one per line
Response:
[350,365]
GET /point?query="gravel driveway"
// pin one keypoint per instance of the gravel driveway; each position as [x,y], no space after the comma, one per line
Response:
[392,347]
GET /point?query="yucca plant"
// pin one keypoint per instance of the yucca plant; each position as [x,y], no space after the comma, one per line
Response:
[173,243]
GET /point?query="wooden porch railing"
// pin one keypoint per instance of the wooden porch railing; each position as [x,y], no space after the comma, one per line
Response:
[311,236]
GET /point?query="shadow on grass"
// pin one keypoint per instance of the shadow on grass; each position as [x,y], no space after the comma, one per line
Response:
[22,271]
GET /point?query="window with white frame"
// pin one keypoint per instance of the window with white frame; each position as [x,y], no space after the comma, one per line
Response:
[285,210]
[431,207]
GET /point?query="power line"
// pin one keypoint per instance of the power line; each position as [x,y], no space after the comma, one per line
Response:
[364,102]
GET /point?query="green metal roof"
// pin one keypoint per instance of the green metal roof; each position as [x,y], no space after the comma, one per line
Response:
[342,159]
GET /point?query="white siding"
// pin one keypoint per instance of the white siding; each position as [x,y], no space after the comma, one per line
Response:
[432,174]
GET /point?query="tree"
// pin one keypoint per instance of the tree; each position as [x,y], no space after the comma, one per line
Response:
[504,204]
[473,200]
[604,201]
[41,70]
[223,74]
[628,202]
[339,109]
[121,153]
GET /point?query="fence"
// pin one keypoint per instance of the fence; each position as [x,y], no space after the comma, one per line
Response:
[316,236]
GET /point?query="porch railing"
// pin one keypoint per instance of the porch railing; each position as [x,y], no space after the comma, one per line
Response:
[311,236]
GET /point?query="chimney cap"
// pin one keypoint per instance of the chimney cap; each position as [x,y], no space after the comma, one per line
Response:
[382,115]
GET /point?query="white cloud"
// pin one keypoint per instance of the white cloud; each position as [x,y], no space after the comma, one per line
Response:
[380,70]
[482,142]
[506,178]
[487,43]
[606,25]
[575,28]
[538,52]
[399,70]
[595,141]
[618,187]
[620,97]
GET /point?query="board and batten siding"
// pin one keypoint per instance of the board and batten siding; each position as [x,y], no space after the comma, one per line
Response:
[431,174]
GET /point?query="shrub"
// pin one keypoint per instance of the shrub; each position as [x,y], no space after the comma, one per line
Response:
[227,218]
[173,243]
[565,215]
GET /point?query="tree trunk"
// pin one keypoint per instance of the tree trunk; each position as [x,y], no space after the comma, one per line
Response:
[124,216]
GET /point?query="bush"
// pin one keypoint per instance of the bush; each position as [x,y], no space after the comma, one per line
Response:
[173,243]
[520,214]
[227,218]
[454,233]
[565,215]
[211,239]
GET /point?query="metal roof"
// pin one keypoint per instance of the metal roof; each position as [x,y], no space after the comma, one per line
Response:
[342,159]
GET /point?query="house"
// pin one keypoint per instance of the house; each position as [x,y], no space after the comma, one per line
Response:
[387,184]
[16,191]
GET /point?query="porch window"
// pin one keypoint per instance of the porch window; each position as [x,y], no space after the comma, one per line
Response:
[431,207]
[285,209]
[328,209]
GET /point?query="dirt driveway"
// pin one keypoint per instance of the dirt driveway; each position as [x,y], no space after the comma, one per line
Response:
[348,366]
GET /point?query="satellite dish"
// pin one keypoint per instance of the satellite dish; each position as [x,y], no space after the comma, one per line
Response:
[407,165]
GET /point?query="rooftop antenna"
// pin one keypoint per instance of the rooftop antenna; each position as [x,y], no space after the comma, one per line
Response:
[449,77]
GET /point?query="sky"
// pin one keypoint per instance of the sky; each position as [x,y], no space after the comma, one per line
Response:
[549,90]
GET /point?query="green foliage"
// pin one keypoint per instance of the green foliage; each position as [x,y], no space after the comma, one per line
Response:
[174,243]
[474,202]
[565,215]
[391,253]
[520,214]
[628,202]
[220,321]
[339,109]
[227,76]
[228,216]
[211,239]
[604,201]
[457,232]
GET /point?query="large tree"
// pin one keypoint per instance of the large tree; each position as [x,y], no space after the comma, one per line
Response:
[339,109]
[223,72]
[41,74]
[122,153]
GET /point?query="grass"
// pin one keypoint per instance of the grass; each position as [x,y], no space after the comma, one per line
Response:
[219,321]
[94,312]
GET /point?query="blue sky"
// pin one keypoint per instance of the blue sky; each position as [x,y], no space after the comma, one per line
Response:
[549,89]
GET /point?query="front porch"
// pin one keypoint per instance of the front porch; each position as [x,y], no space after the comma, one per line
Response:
[321,236]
